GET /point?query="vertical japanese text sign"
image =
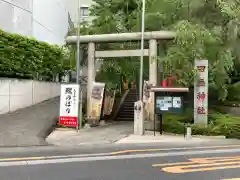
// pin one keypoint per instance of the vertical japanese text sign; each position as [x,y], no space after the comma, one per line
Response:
[97,100]
[201,93]
[69,105]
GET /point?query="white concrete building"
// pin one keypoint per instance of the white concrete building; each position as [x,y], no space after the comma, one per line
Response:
[46,20]
[73,8]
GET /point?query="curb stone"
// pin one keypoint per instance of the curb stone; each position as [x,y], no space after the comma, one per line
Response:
[198,136]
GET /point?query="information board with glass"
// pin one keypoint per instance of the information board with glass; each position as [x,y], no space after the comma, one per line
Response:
[168,103]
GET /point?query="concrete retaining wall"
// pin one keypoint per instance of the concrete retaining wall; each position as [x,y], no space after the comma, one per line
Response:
[16,94]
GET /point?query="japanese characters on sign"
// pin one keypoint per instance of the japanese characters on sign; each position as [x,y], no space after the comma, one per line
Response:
[201,82]
[201,93]
[146,90]
[69,105]
[97,92]
[201,96]
[97,100]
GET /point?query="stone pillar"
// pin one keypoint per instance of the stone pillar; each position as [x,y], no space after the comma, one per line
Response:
[153,61]
[201,93]
[160,73]
[91,75]
[152,80]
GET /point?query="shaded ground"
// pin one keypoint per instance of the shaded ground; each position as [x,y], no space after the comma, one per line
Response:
[29,126]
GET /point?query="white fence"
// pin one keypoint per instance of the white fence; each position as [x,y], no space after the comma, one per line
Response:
[16,94]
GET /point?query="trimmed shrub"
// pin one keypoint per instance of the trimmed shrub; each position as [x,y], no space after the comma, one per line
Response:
[219,124]
[233,92]
[232,131]
[175,127]
[27,58]
[175,123]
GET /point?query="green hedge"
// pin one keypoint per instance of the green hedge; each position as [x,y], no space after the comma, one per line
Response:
[27,58]
[219,124]
[234,92]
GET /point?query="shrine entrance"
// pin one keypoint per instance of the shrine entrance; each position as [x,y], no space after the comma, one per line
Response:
[154,38]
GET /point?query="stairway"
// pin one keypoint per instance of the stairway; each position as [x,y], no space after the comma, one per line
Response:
[126,112]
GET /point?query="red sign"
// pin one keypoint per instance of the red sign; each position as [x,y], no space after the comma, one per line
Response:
[68,121]
[69,105]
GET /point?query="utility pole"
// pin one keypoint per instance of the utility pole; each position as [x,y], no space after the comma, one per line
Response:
[142,52]
[78,68]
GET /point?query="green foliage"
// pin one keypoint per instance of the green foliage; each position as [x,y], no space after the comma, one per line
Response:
[205,30]
[22,57]
[200,35]
[220,124]
[234,92]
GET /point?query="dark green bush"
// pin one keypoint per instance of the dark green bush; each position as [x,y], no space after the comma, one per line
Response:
[219,124]
[175,123]
[175,127]
[232,131]
[234,92]
[22,57]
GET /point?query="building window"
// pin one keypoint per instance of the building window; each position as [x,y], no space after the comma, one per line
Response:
[84,12]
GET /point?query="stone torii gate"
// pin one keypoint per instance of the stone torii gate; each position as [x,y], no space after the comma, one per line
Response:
[91,40]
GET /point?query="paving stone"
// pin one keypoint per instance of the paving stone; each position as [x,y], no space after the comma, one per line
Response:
[29,126]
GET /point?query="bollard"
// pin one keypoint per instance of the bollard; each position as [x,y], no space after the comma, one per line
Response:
[184,130]
[188,133]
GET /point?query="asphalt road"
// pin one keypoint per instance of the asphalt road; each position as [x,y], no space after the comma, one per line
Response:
[148,162]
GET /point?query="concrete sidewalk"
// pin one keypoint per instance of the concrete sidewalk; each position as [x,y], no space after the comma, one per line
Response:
[165,138]
[105,134]
[116,133]
[29,126]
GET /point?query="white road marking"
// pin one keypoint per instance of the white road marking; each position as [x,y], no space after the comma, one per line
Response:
[69,159]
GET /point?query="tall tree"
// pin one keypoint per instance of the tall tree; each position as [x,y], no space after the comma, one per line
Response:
[206,29]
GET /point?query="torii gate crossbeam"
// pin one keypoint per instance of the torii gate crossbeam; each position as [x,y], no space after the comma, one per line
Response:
[135,36]
[152,37]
